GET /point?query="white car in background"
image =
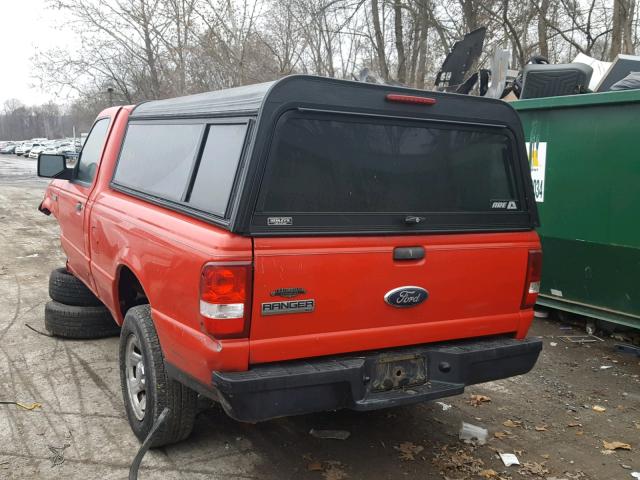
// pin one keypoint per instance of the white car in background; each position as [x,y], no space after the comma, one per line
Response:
[36,150]
[24,148]
[56,147]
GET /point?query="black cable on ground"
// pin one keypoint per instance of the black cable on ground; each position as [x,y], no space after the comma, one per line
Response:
[135,465]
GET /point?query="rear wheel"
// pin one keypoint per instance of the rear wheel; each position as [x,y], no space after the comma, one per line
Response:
[146,388]
[65,288]
[70,321]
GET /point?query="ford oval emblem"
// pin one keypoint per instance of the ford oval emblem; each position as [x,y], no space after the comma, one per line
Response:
[406,296]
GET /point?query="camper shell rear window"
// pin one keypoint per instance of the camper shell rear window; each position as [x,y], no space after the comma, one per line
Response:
[334,171]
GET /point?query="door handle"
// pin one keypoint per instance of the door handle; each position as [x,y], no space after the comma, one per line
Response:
[408,253]
[79,206]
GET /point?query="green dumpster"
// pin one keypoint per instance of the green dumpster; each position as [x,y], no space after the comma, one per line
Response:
[584,152]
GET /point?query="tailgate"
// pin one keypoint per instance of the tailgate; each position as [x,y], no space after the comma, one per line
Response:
[474,285]
[341,191]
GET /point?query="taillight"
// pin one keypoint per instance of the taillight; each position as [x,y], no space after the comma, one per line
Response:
[532,281]
[225,299]
[394,97]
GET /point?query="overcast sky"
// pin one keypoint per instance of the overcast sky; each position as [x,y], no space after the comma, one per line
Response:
[27,26]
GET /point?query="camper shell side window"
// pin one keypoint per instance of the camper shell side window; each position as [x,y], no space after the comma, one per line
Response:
[188,165]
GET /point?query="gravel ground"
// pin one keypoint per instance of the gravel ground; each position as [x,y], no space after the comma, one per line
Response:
[546,417]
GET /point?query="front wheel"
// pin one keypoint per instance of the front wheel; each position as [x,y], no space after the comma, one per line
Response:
[146,388]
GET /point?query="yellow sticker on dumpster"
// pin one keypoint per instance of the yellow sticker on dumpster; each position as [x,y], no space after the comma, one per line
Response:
[537,152]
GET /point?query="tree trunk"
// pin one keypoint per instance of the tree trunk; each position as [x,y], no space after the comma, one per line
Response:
[402,58]
[616,31]
[511,31]
[543,37]
[379,41]
[422,45]
[627,38]
[470,14]
[148,49]
[415,50]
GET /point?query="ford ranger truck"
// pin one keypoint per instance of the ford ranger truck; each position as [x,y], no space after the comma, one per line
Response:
[304,245]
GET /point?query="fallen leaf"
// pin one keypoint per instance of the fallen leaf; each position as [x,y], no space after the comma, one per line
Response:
[598,408]
[29,406]
[545,456]
[574,424]
[454,461]
[616,445]
[315,467]
[512,424]
[540,428]
[488,473]
[580,432]
[534,468]
[408,450]
[334,472]
[477,400]
[501,434]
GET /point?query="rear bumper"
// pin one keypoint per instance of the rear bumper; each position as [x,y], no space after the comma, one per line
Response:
[330,383]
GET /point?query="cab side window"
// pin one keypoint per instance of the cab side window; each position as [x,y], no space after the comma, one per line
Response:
[90,154]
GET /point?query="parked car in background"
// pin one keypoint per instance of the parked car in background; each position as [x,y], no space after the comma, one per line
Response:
[36,150]
[24,148]
[53,148]
[10,148]
[33,145]
[67,147]
[70,151]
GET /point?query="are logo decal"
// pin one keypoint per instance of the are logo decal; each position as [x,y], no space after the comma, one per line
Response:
[504,205]
[403,297]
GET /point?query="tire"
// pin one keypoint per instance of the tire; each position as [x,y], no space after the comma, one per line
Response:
[144,401]
[65,288]
[70,321]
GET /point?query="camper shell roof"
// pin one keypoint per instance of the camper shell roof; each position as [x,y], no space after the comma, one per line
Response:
[245,99]
[322,92]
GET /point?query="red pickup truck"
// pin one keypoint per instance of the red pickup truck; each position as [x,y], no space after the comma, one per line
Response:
[302,245]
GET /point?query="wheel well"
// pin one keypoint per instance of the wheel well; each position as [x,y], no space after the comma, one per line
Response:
[130,291]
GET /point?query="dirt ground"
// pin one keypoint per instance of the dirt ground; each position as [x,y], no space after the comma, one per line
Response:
[80,432]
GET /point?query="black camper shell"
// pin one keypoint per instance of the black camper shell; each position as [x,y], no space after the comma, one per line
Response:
[336,126]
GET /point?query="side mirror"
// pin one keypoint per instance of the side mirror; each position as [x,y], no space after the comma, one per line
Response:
[54,166]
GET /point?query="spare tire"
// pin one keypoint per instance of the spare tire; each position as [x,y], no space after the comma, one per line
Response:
[64,287]
[70,321]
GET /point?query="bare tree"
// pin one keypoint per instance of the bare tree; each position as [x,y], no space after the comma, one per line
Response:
[543,38]
[379,42]
[622,27]
[402,59]
[146,49]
